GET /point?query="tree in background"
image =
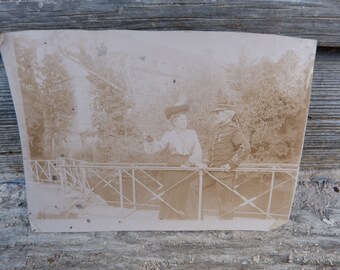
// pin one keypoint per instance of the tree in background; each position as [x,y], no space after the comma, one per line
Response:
[272,104]
[272,100]
[27,65]
[112,106]
[57,104]
[48,100]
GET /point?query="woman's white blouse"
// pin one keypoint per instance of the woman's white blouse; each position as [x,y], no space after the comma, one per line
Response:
[182,142]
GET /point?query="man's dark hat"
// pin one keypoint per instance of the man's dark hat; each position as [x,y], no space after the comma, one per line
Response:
[175,110]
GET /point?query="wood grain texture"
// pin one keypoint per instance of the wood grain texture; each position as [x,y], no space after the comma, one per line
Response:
[309,19]
[322,138]
[306,242]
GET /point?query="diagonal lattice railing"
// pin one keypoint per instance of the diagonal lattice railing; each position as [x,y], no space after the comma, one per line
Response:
[135,186]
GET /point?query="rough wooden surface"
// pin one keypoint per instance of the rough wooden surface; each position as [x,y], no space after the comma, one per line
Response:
[311,19]
[309,241]
[322,139]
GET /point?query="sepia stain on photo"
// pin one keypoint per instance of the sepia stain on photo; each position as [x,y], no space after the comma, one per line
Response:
[138,130]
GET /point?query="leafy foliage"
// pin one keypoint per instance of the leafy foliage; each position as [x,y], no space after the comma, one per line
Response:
[274,98]
[58,103]
[117,133]
[48,100]
[27,63]
[271,97]
[272,104]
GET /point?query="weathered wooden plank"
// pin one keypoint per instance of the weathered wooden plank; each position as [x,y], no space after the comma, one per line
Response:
[10,138]
[7,112]
[11,165]
[322,138]
[310,19]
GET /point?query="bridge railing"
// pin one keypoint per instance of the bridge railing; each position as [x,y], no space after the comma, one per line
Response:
[136,186]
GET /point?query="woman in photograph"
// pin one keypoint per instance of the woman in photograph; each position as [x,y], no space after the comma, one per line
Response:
[186,151]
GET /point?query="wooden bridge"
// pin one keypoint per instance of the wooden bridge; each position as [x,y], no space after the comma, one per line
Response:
[136,186]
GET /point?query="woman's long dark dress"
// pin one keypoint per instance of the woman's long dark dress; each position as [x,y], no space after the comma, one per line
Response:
[176,197]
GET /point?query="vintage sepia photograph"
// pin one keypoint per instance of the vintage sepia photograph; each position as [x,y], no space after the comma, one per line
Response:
[159,130]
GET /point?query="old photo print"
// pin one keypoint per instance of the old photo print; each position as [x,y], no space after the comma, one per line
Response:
[155,130]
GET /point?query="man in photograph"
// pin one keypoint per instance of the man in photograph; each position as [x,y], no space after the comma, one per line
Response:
[229,148]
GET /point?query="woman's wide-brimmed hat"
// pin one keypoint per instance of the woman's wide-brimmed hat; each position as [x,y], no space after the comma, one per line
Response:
[170,111]
[225,105]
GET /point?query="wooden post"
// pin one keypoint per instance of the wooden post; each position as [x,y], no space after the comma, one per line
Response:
[271,193]
[83,177]
[49,172]
[133,188]
[121,198]
[61,171]
[200,185]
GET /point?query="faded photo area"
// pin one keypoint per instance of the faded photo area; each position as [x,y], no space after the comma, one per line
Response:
[137,130]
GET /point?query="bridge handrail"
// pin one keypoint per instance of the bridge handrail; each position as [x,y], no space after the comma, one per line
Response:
[244,167]
[65,167]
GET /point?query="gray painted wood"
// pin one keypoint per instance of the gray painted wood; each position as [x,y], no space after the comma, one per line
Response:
[310,19]
[322,138]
